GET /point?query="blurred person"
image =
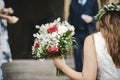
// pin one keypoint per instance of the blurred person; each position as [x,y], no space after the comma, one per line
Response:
[81,16]
[101,49]
[5,53]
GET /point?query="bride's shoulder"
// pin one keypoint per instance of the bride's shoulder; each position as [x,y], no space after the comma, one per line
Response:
[89,46]
[93,35]
[90,38]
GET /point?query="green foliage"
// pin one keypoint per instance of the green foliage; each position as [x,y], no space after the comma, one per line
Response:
[108,8]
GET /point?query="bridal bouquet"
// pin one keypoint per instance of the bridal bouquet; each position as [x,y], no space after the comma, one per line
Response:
[53,40]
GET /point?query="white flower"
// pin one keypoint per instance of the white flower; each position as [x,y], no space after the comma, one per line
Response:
[54,34]
[37,26]
[54,38]
[62,29]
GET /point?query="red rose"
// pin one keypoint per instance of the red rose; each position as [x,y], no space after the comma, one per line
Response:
[52,29]
[53,50]
[36,45]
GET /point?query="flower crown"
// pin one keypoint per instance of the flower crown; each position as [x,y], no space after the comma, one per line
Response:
[108,8]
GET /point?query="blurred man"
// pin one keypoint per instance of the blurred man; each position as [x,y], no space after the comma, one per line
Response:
[81,16]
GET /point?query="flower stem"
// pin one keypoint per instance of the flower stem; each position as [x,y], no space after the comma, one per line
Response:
[59,72]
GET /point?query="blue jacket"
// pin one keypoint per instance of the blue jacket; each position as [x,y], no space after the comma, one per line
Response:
[76,10]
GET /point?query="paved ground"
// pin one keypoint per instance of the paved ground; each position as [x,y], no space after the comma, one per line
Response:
[32,70]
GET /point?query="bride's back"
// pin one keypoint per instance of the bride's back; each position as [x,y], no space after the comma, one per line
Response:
[106,67]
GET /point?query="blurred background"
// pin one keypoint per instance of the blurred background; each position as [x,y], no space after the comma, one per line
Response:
[31,13]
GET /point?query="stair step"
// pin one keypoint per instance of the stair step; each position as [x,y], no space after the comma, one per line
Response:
[32,70]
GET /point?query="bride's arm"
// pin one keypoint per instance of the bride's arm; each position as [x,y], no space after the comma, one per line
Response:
[89,66]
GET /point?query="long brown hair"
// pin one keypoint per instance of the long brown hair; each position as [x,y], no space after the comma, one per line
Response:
[109,25]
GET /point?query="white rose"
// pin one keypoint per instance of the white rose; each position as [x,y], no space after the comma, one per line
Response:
[62,29]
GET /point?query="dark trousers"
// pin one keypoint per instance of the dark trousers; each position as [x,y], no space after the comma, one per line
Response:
[78,51]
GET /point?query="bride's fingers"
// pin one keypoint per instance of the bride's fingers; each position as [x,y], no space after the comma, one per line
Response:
[58,57]
[59,60]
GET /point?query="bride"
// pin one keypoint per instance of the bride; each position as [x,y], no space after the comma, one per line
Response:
[101,49]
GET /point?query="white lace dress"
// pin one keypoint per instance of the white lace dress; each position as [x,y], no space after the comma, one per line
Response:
[106,68]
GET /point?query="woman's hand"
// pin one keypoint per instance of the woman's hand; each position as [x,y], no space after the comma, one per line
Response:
[8,11]
[12,19]
[59,62]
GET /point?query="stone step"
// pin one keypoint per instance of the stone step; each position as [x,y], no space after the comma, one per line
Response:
[32,70]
